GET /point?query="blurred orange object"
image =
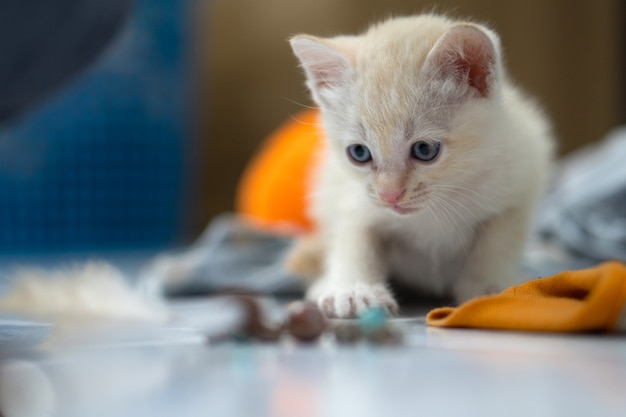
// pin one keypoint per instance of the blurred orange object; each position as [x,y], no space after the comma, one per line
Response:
[274,187]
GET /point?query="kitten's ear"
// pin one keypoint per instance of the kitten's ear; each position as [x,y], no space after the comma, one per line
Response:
[328,70]
[469,55]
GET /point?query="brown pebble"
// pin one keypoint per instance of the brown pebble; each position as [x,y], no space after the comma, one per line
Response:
[254,325]
[306,322]
[347,334]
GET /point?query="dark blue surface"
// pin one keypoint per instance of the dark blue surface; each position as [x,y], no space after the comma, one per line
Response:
[100,165]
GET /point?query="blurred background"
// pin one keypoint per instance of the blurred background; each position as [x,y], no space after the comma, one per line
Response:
[143,142]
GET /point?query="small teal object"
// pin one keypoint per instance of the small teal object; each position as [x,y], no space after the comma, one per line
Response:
[372,320]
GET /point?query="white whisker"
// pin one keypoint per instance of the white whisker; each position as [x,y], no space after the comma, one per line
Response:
[452,201]
[452,225]
[306,106]
[463,191]
[446,212]
[440,224]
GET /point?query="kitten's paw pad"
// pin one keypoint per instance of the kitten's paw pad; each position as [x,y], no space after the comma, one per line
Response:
[351,302]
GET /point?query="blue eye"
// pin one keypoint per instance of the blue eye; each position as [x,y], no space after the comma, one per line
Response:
[359,153]
[425,151]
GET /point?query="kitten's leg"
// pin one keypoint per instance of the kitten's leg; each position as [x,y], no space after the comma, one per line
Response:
[494,260]
[305,257]
[354,275]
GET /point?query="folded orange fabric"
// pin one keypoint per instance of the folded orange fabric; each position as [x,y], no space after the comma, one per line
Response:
[572,301]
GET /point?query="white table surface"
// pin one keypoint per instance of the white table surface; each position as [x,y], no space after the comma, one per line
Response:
[170,370]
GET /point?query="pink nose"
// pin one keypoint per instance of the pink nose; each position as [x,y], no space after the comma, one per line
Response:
[391,196]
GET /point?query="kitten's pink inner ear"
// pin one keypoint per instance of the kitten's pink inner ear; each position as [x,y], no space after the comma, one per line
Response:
[468,54]
[476,66]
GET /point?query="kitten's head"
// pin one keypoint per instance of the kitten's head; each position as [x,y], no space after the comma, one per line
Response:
[407,105]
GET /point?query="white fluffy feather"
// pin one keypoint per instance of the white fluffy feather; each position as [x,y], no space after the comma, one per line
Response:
[95,290]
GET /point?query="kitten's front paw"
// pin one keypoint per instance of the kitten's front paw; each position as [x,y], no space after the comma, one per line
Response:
[348,301]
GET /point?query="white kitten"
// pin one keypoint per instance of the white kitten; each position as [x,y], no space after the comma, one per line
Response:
[433,166]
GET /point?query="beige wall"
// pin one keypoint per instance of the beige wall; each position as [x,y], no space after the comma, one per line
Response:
[566,53]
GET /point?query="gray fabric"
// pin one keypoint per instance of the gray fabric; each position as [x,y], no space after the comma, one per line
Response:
[586,210]
[230,254]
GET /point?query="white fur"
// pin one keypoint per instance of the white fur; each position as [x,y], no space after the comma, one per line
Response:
[385,90]
[95,290]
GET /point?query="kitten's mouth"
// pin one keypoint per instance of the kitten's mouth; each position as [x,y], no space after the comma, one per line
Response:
[398,209]
[402,210]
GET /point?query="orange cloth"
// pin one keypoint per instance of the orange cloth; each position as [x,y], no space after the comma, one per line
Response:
[272,191]
[571,301]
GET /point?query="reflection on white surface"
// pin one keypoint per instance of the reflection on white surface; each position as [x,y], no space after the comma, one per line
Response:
[25,390]
[436,373]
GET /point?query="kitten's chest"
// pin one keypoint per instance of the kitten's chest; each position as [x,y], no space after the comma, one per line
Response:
[423,234]
[428,258]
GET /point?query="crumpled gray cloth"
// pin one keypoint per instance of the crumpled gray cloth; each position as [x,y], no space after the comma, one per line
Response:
[585,212]
[230,254]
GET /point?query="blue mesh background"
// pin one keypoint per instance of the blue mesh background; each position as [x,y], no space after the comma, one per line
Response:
[100,164]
